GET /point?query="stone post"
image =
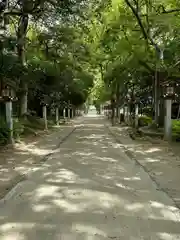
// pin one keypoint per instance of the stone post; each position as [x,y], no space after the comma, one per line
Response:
[72,112]
[64,113]
[45,117]
[168,121]
[69,113]
[136,115]
[126,114]
[9,119]
[57,115]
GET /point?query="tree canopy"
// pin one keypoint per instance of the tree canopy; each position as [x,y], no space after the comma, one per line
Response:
[66,50]
[136,38]
[43,46]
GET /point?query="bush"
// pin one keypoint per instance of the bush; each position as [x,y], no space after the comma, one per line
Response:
[148,111]
[144,121]
[33,122]
[27,126]
[18,128]
[176,130]
[121,117]
[4,132]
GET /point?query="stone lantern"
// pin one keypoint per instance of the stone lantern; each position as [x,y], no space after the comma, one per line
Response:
[169,95]
[44,104]
[7,95]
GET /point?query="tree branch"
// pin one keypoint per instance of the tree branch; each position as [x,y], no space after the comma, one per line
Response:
[144,64]
[138,20]
[12,12]
[170,11]
[145,34]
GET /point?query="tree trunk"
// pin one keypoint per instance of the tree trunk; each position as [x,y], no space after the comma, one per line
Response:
[21,37]
[161,113]
[23,98]
[57,115]
[117,102]
[9,120]
[156,97]
[113,111]
[45,117]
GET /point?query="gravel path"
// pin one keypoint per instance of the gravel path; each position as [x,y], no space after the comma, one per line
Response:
[88,189]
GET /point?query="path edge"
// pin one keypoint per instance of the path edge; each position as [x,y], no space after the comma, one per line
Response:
[131,156]
[22,177]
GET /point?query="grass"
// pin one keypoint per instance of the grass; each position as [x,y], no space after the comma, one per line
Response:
[145,121]
[23,128]
[32,125]
[176,130]
[4,132]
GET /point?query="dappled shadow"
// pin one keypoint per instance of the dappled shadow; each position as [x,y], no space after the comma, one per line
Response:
[158,159]
[84,192]
[23,156]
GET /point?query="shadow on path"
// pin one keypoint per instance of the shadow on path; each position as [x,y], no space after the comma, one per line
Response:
[88,189]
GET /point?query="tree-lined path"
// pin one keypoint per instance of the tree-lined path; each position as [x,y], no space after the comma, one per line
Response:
[88,189]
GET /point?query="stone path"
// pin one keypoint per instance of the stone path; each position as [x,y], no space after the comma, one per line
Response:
[159,159]
[17,162]
[88,189]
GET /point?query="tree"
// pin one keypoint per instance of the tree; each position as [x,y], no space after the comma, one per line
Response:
[133,36]
[20,14]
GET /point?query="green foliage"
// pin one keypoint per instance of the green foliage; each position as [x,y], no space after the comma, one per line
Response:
[176,130]
[144,121]
[18,128]
[73,52]
[4,132]
[56,64]
[33,122]
[148,111]
[60,69]
[127,37]
[29,126]
[46,51]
